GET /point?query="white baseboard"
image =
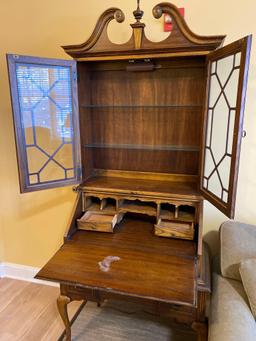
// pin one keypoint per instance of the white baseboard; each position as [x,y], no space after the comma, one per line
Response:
[1,270]
[22,272]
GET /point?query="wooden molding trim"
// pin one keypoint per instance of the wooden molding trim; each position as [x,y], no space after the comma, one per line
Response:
[143,56]
[181,39]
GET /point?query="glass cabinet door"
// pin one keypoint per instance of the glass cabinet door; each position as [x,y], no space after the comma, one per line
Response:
[45,111]
[223,124]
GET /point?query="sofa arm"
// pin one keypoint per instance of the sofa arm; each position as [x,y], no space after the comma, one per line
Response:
[237,243]
[230,317]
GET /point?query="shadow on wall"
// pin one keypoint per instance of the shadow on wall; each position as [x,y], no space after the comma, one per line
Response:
[44,204]
[212,239]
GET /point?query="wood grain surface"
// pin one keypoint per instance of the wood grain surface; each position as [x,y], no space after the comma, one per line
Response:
[28,311]
[150,267]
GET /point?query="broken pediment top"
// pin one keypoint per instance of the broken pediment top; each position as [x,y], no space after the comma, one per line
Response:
[181,40]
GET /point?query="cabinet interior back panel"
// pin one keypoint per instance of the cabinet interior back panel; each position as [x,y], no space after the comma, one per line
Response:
[174,162]
[143,121]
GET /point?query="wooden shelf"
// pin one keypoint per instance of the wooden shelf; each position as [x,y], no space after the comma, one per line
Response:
[143,187]
[183,216]
[109,208]
[174,218]
[93,207]
[137,206]
[150,106]
[143,147]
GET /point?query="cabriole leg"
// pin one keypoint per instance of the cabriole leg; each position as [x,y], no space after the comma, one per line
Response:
[62,303]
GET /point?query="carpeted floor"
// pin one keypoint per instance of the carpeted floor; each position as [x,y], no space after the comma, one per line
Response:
[119,321]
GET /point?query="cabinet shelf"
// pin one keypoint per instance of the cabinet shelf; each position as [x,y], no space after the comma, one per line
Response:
[183,216]
[136,206]
[177,213]
[172,219]
[186,189]
[93,207]
[150,106]
[95,204]
[109,208]
[142,146]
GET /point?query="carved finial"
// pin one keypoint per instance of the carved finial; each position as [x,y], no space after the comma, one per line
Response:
[138,27]
[138,13]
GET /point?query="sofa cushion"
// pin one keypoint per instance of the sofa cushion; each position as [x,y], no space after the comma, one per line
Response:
[237,242]
[248,274]
[230,317]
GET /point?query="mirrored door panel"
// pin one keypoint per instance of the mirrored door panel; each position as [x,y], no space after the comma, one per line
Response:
[227,78]
[44,102]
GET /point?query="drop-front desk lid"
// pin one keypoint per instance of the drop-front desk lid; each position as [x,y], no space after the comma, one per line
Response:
[150,267]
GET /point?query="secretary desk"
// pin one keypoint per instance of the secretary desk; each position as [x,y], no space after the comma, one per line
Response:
[146,131]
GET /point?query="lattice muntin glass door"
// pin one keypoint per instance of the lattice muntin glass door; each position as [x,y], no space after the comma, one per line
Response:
[225,108]
[46,119]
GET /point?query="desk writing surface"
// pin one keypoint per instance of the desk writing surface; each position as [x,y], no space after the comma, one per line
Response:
[150,267]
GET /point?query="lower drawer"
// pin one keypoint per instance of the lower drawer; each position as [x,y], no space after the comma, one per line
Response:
[79,293]
[98,221]
[175,229]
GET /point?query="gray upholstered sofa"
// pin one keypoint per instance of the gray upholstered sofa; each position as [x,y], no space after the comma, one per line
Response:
[232,314]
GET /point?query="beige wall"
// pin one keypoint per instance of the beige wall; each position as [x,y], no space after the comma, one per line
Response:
[32,225]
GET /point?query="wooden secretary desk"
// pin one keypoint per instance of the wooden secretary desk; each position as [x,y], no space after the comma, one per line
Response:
[147,130]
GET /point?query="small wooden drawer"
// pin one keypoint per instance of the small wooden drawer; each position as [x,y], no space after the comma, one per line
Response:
[98,221]
[79,293]
[175,229]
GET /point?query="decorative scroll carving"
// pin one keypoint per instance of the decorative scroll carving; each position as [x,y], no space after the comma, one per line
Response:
[181,29]
[181,40]
[99,31]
